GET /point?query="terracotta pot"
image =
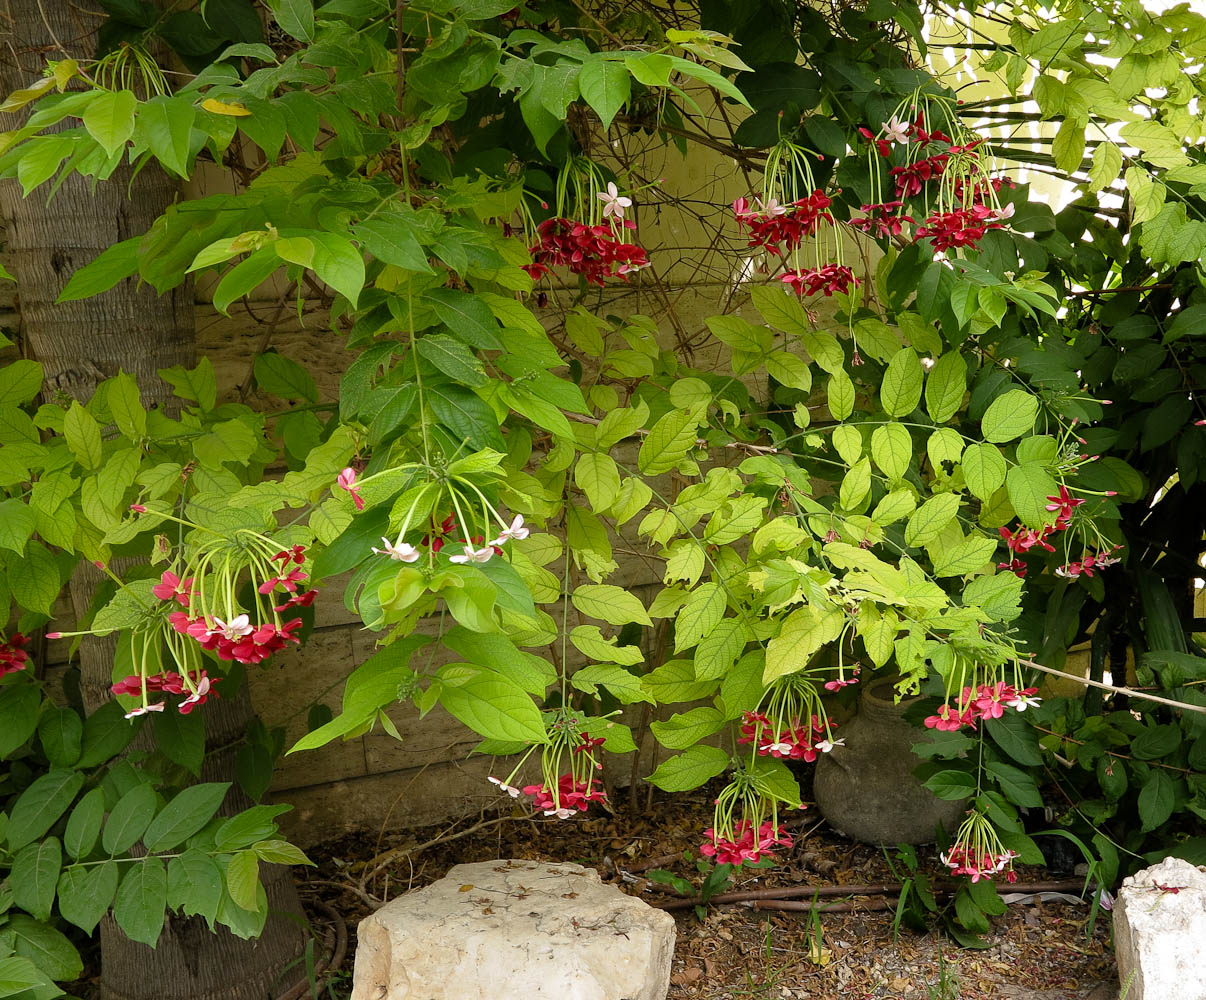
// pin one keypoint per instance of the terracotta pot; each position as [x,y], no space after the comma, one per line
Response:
[866,788]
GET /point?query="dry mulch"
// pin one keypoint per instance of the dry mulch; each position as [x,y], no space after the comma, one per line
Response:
[1038,951]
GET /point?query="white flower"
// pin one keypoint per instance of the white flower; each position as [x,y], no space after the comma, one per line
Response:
[474,555]
[1004,213]
[826,745]
[1023,702]
[236,628]
[896,130]
[614,203]
[561,813]
[398,550]
[771,207]
[143,709]
[203,687]
[503,786]
[778,748]
[517,531]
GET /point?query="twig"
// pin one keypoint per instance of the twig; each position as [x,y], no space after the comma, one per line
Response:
[862,906]
[1130,692]
[381,860]
[823,891]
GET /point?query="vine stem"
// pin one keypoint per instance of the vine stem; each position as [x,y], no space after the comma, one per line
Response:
[1130,692]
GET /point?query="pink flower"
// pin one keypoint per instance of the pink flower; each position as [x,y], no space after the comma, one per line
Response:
[614,203]
[471,554]
[516,531]
[144,709]
[828,279]
[12,653]
[236,628]
[897,131]
[171,588]
[1064,503]
[346,480]
[138,508]
[503,786]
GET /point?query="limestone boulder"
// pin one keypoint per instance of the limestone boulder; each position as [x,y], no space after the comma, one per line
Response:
[1160,932]
[500,930]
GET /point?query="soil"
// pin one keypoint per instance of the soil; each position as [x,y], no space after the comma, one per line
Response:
[1038,950]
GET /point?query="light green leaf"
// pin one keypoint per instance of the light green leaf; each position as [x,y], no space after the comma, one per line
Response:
[669,441]
[983,469]
[598,477]
[931,519]
[702,612]
[1010,415]
[945,386]
[613,605]
[605,85]
[804,632]
[109,118]
[1029,486]
[840,393]
[689,770]
[892,450]
[901,389]
[856,484]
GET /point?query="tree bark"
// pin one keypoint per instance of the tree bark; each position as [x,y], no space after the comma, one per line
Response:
[81,343]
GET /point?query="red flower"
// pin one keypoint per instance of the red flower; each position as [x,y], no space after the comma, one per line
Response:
[881,219]
[1024,539]
[171,588]
[828,279]
[302,599]
[745,844]
[776,228]
[295,554]
[911,180]
[595,252]
[924,137]
[964,227]
[571,795]
[1016,567]
[12,654]
[1065,504]
[882,146]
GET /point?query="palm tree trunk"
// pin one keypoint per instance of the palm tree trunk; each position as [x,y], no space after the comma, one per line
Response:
[131,329]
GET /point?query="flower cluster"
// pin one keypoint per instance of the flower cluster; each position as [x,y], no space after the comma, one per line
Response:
[569,769]
[777,228]
[830,279]
[978,852]
[984,701]
[1021,540]
[197,690]
[881,219]
[474,550]
[793,741]
[962,227]
[911,179]
[744,843]
[237,638]
[13,656]
[594,251]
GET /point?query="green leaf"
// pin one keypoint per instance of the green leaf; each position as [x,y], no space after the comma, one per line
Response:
[699,615]
[18,975]
[84,824]
[618,681]
[243,879]
[124,403]
[198,384]
[20,382]
[901,389]
[840,395]
[964,557]
[1068,147]
[495,708]
[1014,734]
[999,595]
[686,771]
[856,484]
[598,477]
[669,441]
[141,900]
[167,123]
[1029,486]
[685,729]
[110,266]
[792,371]
[106,734]
[129,819]
[187,813]
[391,237]
[295,17]
[945,386]
[83,435]
[892,450]
[1156,799]
[1156,742]
[720,648]
[1106,166]
[453,358]
[194,885]
[47,948]
[16,525]
[40,806]
[1010,415]
[1017,786]
[61,733]
[284,377]
[339,264]
[931,519]
[109,118]
[35,581]
[605,86]
[613,605]
[953,786]
[34,876]
[803,633]
[983,469]
[468,317]
[245,277]
[86,893]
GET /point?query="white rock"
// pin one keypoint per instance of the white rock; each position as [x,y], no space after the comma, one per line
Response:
[1159,934]
[503,930]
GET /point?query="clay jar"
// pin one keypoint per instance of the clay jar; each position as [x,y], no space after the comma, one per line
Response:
[866,788]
